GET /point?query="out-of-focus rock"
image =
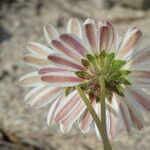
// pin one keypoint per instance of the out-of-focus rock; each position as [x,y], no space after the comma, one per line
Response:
[139,4]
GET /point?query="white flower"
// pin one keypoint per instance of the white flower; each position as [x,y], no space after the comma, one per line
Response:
[77,58]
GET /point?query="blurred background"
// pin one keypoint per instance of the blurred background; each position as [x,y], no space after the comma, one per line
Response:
[23,128]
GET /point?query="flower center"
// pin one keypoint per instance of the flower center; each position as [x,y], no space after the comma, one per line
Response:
[103,64]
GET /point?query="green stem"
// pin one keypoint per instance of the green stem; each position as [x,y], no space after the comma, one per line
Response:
[90,108]
[101,125]
[106,143]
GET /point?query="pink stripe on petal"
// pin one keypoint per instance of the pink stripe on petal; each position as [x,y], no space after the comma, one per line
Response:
[59,46]
[53,109]
[132,38]
[140,57]
[46,96]
[112,125]
[73,116]
[124,113]
[135,120]
[64,62]
[90,32]
[67,109]
[104,38]
[48,70]
[60,79]
[141,74]
[74,42]
[85,121]
[139,96]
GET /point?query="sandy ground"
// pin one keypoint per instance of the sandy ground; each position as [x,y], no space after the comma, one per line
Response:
[24,128]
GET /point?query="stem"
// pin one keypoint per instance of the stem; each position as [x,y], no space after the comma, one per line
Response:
[101,125]
[90,108]
[106,143]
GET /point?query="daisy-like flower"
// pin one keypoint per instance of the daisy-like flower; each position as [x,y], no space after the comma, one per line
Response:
[78,58]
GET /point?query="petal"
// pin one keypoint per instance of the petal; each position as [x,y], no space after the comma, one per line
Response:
[50,33]
[74,42]
[38,49]
[68,122]
[32,93]
[90,34]
[31,80]
[139,96]
[135,113]
[124,113]
[74,27]
[86,119]
[107,37]
[61,47]
[61,60]
[53,109]
[114,109]
[45,97]
[140,78]
[70,104]
[61,80]
[141,57]
[131,40]
[135,120]
[35,61]
[52,70]
[139,82]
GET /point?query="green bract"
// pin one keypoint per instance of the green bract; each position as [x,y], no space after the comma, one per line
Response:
[111,68]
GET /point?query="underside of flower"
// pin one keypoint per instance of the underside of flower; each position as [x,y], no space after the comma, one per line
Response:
[103,64]
[86,67]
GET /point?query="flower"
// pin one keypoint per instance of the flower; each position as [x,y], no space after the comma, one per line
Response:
[78,58]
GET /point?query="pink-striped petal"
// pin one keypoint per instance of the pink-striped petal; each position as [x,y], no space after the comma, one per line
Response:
[135,119]
[35,61]
[104,38]
[139,96]
[113,111]
[141,74]
[45,97]
[61,60]
[107,36]
[38,49]
[53,109]
[134,110]
[51,70]
[131,40]
[32,93]
[31,80]
[124,113]
[61,80]
[61,47]
[75,43]
[90,34]
[86,119]
[70,104]
[50,33]
[69,121]
[140,57]
[74,27]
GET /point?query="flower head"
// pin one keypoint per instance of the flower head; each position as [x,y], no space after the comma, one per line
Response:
[78,58]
